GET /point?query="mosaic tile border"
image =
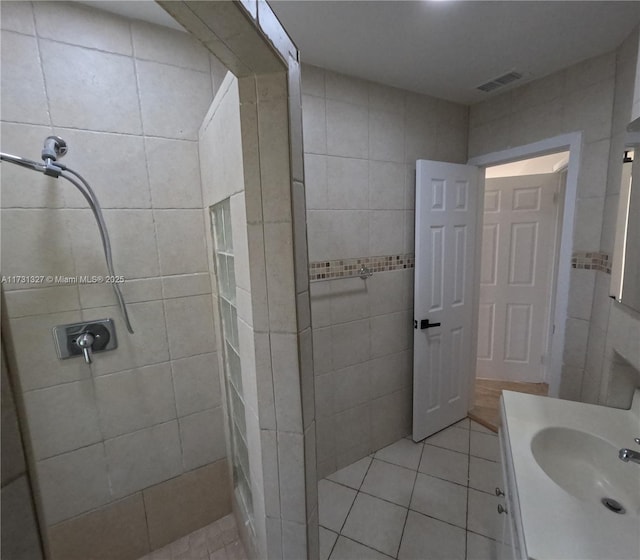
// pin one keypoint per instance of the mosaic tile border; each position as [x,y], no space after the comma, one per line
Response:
[591,261]
[348,268]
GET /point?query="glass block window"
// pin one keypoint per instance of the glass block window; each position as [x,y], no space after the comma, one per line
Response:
[226,280]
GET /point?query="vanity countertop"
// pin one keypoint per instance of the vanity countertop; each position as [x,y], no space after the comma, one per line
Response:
[555,523]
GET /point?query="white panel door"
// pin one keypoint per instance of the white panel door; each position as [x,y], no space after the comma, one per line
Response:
[446,206]
[516,276]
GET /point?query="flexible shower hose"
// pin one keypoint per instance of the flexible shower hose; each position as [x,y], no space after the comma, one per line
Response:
[58,170]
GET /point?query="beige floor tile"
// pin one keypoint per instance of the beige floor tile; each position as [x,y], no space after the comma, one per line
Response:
[389,482]
[444,463]
[484,475]
[425,537]
[481,548]
[485,446]
[346,549]
[334,502]
[327,541]
[404,452]
[440,499]
[479,428]
[353,475]
[451,438]
[376,523]
[483,517]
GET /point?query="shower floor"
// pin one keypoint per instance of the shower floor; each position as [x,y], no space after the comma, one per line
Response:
[217,541]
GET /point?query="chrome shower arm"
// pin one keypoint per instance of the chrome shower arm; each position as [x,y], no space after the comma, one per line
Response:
[23,162]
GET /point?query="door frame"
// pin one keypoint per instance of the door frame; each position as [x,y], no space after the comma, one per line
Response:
[571,142]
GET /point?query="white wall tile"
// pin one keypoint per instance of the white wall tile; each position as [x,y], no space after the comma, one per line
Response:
[320,295]
[147,346]
[390,373]
[174,227]
[350,343]
[575,342]
[348,234]
[313,80]
[351,386]
[135,399]
[385,98]
[386,232]
[386,185]
[286,382]
[316,181]
[390,333]
[280,276]
[593,171]
[203,438]
[590,109]
[173,100]
[137,259]
[183,285]
[35,352]
[291,473]
[196,383]
[23,303]
[23,93]
[588,223]
[314,124]
[275,176]
[152,42]
[21,188]
[35,242]
[581,288]
[346,88]
[190,326]
[347,183]
[386,292]
[349,300]
[108,102]
[83,26]
[73,483]
[133,291]
[174,173]
[62,418]
[124,185]
[347,129]
[143,458]
[322,350]
[386,136]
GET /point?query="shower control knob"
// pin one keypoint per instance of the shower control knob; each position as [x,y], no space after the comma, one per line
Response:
[85,341]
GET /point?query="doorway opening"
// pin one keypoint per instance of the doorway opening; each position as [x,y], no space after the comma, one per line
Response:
[521,225]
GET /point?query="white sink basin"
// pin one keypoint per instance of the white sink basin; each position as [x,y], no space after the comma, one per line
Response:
[564,460]
[587,467]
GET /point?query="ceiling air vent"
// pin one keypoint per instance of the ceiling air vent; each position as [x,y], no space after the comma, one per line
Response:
[500,82]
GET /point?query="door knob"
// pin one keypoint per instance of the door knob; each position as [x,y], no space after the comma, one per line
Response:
[85,341]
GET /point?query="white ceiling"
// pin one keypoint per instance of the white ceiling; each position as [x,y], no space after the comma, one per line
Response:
[448,48]
[442,48]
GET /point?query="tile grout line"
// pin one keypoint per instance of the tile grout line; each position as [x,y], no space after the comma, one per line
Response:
[406,517]
[466,521]
[351,507]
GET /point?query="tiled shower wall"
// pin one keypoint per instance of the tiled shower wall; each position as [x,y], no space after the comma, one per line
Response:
[578,98]
[361,141]
[139,433]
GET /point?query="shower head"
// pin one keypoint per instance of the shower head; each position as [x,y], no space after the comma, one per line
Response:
[54,148]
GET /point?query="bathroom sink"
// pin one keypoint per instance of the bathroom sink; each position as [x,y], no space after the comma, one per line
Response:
[587,467]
